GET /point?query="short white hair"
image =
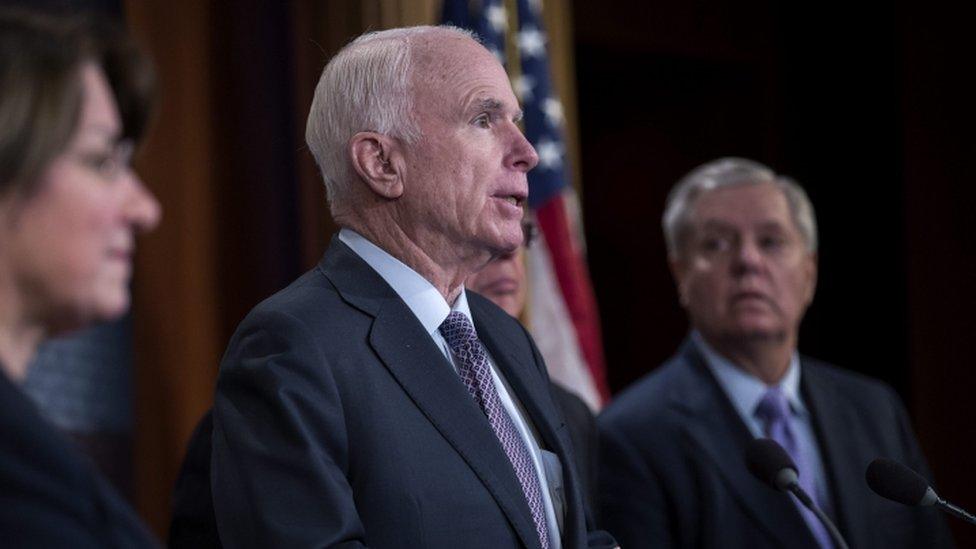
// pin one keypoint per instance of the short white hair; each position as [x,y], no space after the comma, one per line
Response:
[365,87]
[727,172]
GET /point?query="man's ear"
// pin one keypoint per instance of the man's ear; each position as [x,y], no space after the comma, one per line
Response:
[678,269]
[371,154]
[811,275]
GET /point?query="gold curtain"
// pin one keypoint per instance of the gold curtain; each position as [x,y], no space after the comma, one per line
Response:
[175,319]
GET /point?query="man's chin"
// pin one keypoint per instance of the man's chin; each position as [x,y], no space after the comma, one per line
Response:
[506,244]
[756,322]
[754,330]
[757,334]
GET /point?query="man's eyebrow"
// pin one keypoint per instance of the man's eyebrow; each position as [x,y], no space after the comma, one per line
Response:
[488,104]
[494,106]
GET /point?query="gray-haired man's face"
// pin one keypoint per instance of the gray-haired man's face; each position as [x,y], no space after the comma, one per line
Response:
[744,271]
[465,178]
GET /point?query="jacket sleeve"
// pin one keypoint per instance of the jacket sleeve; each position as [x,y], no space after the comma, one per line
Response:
[632,501]
[930,528]
[280,457]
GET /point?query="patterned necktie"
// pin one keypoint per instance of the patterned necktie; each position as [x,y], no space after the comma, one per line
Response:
[774,411]
[475,372]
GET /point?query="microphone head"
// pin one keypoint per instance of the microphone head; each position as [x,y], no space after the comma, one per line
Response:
[892,480]
[770,463]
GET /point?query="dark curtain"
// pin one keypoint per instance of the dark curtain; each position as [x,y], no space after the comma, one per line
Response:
[243,211]
[870,108]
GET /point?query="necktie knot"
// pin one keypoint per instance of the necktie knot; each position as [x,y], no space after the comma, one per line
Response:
[773,407]
[458,330]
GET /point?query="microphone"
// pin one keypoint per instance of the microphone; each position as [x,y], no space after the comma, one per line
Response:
[770,463]
[892,480]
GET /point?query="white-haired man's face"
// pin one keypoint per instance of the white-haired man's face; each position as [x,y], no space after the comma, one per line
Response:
[744,271]
[465,178]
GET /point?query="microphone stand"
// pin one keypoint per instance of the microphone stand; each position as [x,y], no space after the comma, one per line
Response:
[954,510]
[839,542]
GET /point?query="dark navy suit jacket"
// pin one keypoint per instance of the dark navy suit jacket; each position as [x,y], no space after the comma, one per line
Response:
[50,494]
[673,471]
[337,421]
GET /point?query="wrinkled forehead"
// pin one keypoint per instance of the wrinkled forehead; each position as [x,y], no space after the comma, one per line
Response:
[744,205]
[442,58]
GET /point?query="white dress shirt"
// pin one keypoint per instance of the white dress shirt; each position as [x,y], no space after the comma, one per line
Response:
[745,391]
[431,309]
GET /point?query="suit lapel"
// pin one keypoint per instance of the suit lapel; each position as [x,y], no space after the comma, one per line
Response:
[716,429]
[840,445]
[524,379]
[420,368]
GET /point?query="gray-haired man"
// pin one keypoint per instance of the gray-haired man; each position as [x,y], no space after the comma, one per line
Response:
[742,245]
[374,402]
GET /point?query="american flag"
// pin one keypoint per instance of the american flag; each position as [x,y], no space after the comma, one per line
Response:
[562,313]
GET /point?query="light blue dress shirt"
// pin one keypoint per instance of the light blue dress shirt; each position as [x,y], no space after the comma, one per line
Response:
[431,309]
[745,391]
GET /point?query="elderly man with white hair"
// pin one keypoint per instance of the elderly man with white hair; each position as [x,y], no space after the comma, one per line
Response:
[374,402]
[742,246]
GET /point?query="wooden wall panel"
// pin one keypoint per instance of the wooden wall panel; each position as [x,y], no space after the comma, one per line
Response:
[175,316]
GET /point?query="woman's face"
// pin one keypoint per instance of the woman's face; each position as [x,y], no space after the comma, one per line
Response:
[69,245]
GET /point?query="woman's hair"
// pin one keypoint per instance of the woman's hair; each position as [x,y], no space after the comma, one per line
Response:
[41,93]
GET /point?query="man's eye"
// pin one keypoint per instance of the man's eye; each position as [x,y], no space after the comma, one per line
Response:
[772,243]
[483,121]
[714,244]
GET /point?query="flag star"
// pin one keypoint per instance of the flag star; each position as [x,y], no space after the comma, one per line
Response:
[497,18]
[531,42]
[523,87]
[550,154]
[554,111]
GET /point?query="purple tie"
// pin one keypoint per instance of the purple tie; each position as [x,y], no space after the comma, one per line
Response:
[475,372]
[774,411]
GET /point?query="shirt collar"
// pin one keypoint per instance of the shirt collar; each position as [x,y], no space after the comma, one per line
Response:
[744,389]
[420,296]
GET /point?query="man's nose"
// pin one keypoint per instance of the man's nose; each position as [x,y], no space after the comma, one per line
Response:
[748,258]
[522,155]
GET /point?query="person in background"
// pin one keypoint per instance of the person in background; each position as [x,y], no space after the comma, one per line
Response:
[742,245]
[74,98]
[504,282]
